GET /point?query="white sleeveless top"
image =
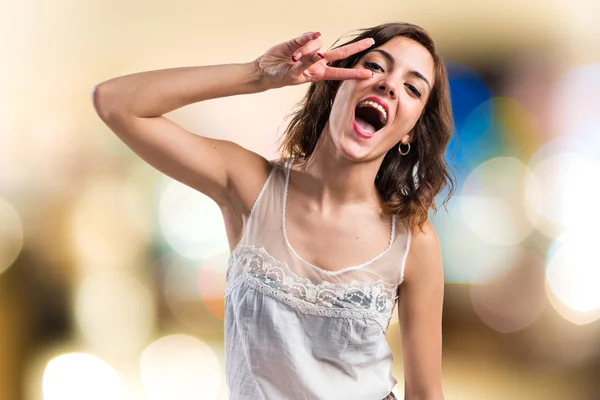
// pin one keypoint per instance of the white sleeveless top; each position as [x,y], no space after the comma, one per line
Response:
[295,331]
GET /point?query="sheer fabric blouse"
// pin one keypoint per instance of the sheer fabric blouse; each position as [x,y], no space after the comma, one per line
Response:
[296,331]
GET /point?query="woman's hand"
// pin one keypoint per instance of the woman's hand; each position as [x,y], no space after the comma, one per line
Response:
[299,61]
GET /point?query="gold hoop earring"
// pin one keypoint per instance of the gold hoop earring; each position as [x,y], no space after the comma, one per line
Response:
[400,149]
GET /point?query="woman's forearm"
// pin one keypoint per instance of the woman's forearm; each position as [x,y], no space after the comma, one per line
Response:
[154,93]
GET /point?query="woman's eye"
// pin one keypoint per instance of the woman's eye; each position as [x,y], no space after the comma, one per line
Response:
[373,65]
[414,90]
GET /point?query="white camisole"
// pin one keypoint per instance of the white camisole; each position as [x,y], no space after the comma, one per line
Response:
[296,331]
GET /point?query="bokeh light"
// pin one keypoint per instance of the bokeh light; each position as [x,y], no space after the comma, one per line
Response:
[11,234]
[110,225]
[12,153]
[492,201]
[115,312]
[565,174]
[191,222]
[191,294]
[515,299]
[574,104]
[180,367]
[479,140]
[573,278]
[519,129]
[467,92]
[211,283]
[468,258]
[77,376]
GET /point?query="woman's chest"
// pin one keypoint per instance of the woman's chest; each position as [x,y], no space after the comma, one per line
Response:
[338,241]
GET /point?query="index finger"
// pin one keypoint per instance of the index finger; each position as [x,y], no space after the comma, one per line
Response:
[349,49]
[341,74]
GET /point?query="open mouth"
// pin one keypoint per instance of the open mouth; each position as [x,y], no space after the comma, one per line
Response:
[370,116]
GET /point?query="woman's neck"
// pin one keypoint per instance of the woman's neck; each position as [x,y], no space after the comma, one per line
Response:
[332,180]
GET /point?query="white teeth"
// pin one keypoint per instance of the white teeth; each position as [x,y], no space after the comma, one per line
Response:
[378,107]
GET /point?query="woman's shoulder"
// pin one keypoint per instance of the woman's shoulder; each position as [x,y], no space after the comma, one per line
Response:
[425,237]
[425,252]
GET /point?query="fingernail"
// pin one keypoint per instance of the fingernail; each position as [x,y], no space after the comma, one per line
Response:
[321,55]
[373,41]
[318,34]
[296,57]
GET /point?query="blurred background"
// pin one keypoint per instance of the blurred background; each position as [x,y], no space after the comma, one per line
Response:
[112,275]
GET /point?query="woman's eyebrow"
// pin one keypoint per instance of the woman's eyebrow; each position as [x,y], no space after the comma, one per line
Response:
[391,60]
[417,74]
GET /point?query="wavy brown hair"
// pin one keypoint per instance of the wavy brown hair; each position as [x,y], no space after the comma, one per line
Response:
[407,184]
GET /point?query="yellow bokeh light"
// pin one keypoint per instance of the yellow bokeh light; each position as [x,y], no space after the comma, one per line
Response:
[115,312]
[180,367]
[523,135]
[109,226]
[77,376]
[572,278]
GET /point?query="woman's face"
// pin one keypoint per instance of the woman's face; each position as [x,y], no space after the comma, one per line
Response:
[370,116]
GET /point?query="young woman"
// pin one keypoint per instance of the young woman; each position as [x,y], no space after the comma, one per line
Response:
[327,239]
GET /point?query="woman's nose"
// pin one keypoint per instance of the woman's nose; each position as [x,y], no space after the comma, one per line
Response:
[387,88]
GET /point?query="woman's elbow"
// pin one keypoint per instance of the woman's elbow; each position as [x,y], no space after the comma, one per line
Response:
[107,102]
[101,102]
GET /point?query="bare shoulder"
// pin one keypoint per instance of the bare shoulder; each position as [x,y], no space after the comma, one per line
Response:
[424,258]
[425,239]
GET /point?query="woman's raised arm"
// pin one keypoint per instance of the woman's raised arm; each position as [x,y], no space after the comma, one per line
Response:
[133,106]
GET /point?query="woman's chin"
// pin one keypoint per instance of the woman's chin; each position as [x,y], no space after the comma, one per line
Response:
[357,153]
[355,149]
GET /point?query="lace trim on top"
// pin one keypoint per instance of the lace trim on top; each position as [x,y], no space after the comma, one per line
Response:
[325,271]
[257,268]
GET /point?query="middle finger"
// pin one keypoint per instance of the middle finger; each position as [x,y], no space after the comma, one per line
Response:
[349,49]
